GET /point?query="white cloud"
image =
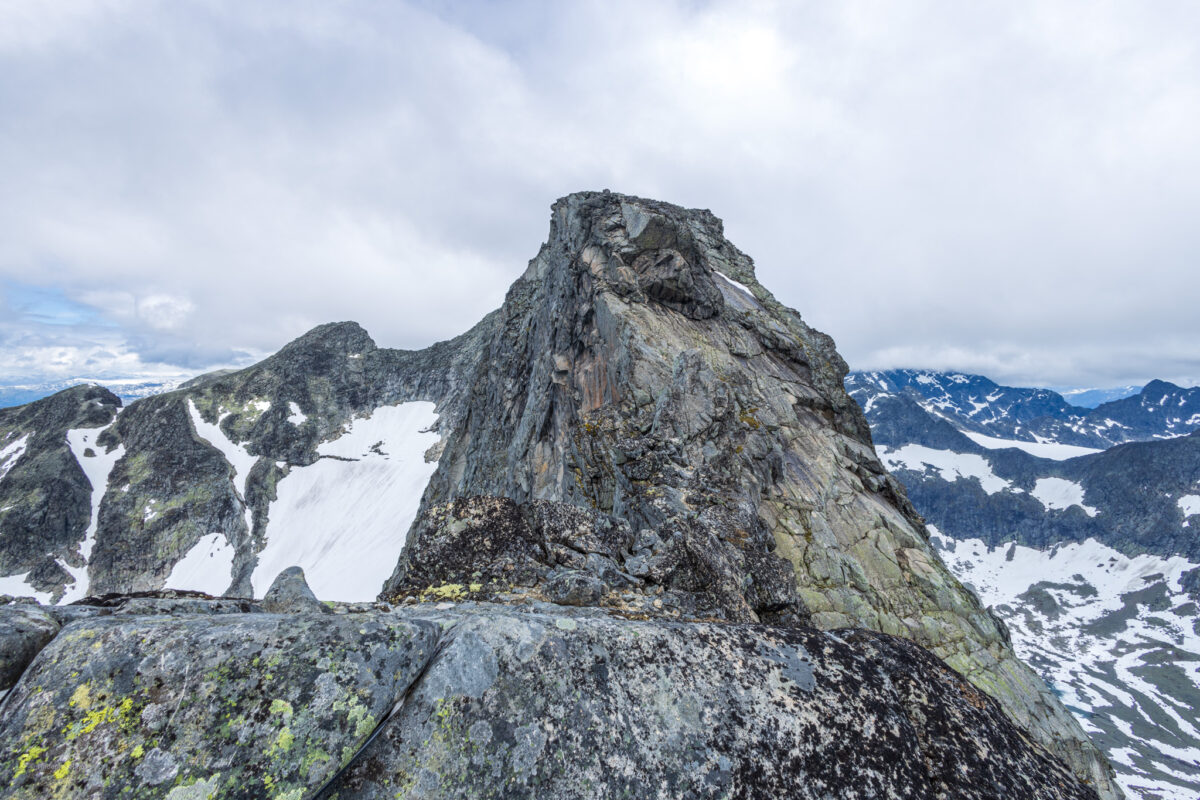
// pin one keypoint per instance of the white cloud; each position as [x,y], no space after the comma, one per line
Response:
[1007,185]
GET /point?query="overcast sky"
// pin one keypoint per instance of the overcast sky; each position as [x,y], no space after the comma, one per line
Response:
[1008,188]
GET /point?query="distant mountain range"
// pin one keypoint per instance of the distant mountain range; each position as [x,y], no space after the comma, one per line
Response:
[128,389]
[979,407]
[1081,529]
[1090,398]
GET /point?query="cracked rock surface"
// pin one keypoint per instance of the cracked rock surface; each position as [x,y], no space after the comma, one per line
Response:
[494,701]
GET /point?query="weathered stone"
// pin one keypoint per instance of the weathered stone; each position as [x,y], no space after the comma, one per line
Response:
[246,705]
[749,414]
[289,594]
[486,701]
[494,548]
[575,588]
[24,631]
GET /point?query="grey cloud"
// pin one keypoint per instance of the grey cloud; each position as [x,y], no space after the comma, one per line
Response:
[1007,188]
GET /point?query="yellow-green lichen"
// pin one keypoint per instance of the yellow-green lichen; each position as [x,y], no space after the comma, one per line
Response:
[283,742]
[28,757]
[447,591]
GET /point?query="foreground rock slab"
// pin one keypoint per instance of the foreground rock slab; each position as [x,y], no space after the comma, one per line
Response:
[488,701]
[237,705]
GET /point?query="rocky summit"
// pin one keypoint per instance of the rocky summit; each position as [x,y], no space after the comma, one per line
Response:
[627,537]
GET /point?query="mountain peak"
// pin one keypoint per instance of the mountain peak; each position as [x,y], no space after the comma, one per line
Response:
[645,249]
[343,337]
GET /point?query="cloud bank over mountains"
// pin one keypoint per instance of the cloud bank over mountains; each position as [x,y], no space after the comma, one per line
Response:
[1002,188]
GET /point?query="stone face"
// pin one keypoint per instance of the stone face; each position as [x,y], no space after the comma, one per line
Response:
[709,567]
[289,594]
[483,701]
[249,705]
[24,631]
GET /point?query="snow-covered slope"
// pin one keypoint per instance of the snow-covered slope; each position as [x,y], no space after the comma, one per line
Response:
[97,463]
[344,518]
[1089,552]
[1117,637]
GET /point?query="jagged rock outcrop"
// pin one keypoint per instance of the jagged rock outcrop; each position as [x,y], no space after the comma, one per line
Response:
[639,369]
[168,485]
[486,701]
[641,427]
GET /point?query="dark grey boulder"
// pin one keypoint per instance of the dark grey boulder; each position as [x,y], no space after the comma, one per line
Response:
[490,701]
[24,631]
[574,588]
[222,706]
[289,594]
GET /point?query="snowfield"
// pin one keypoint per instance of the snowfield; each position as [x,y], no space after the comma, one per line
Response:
[207,567]
[1041,449]
[949,465]
[1060,493]
[344,519]
[1115,637]
[97,468]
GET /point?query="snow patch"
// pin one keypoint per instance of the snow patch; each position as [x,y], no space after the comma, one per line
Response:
[207,567]
[1189,504]
[237,455]
[16,586]
[295,415]
[96,468]
[1105,645]
[1060,493]
[10,454]
[344,519]
[1041,449]
[732,282]
[949,465]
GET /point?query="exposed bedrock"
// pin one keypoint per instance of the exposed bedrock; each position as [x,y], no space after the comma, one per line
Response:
[487,701]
